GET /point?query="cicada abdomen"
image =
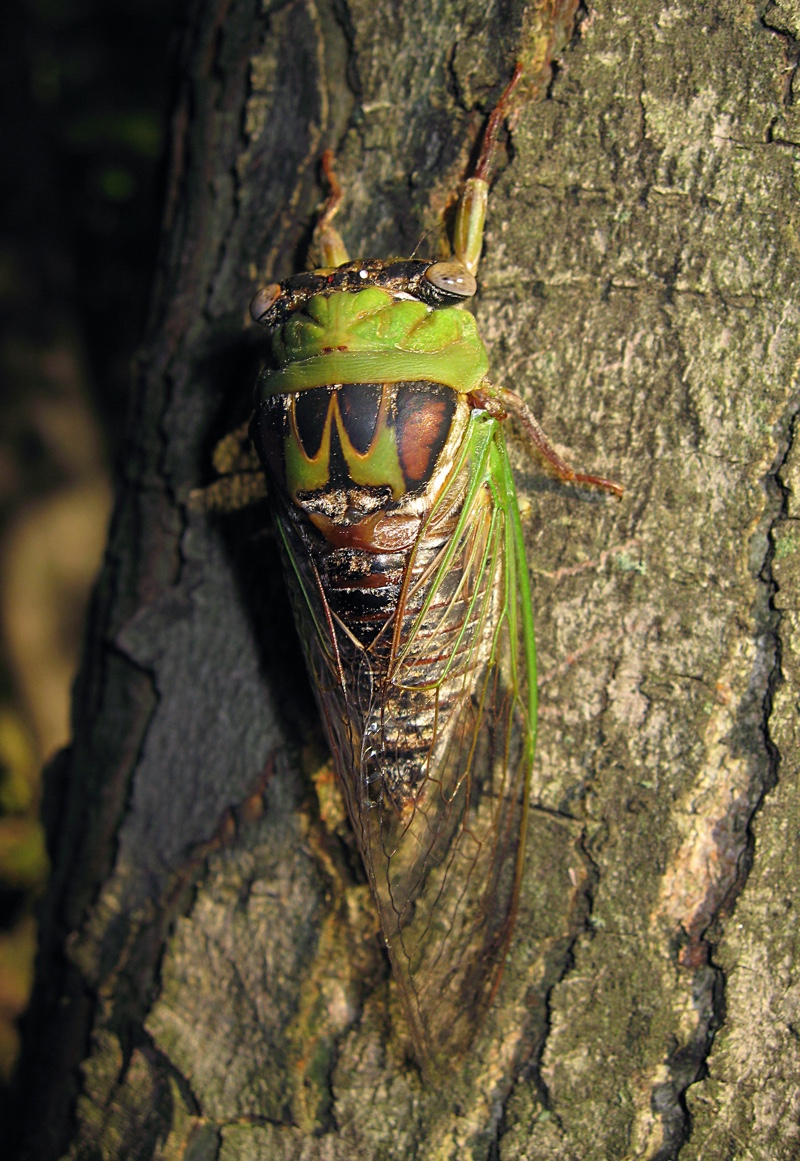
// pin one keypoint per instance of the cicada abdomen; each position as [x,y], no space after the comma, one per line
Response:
[383,444]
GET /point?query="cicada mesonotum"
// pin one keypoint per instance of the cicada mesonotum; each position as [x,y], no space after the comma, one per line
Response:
[383,444]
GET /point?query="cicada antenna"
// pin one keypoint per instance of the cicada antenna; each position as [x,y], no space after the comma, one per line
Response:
[427,234]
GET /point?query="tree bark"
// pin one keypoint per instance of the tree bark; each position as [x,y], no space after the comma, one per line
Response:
[212,984]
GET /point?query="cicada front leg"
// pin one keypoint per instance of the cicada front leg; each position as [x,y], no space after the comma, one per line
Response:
[501,402]
[471,213]
[327,242]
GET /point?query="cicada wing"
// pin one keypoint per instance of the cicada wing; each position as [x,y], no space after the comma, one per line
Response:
[340,670]
[445,857]
[432,730]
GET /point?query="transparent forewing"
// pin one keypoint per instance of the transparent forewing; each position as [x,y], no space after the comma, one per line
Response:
[432,729]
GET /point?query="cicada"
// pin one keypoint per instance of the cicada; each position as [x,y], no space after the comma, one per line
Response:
[383,444]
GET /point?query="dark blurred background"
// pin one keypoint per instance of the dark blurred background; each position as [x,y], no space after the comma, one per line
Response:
[86,92]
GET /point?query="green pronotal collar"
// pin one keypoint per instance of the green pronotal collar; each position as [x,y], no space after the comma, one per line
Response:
[374,337]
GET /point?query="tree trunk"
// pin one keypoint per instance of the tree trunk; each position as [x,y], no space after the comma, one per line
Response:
[212,983]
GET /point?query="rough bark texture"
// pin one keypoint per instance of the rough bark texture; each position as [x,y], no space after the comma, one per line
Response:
[223,989]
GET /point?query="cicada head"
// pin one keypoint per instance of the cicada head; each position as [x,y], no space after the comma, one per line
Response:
[371,322]
[436,284]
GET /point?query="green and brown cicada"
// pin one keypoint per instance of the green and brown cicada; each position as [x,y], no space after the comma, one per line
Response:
[394,501]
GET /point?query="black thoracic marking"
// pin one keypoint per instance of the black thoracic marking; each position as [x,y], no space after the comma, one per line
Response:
[267,432]
[424,413]
[310,413]
[359,404]
[338,470]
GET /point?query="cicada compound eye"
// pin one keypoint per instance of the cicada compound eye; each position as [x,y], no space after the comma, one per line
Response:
[452,279]
[265,298]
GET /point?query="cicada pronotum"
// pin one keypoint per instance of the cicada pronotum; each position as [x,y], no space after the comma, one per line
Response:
[394,501]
